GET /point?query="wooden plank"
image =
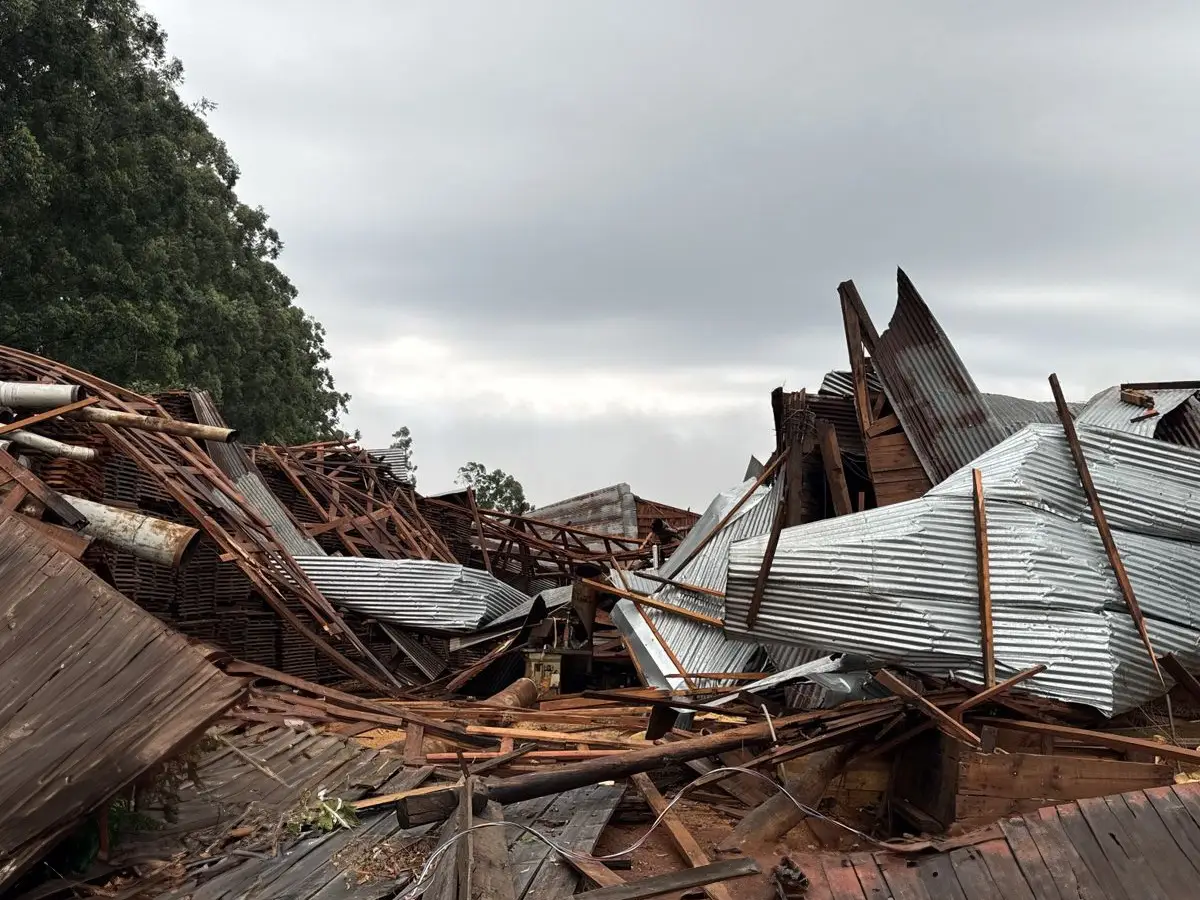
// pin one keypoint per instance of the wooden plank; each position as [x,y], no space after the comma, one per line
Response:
[870,878]
[1121,849]
[414,744]
[1183,828]
[52,499]
[883,425]
[843,882]
[599,874]
[777,524]
[1031,776]
[47,414]
[855,326]
[553,737]
[944,723]
[675,881]
[1171,865]
[1005,872]
[973,875]
[591,813]
[683,840]
[1067,868]
[902,876]
[831,459]
[939,878]
[1089,850]
[895,443]
[1110,545]
[984,579]
[1188,795]
[1102,738]
[644,600]
[1034,868]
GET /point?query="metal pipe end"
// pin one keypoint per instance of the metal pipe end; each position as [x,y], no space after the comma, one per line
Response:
[187,549]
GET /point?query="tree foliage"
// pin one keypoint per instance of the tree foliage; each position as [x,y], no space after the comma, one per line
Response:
[124,249]
[402,440]
[495,489]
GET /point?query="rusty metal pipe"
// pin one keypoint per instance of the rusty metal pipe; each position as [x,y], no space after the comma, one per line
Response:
[146,537]
[155,423]
[521,694]
[30,395]
[50,446]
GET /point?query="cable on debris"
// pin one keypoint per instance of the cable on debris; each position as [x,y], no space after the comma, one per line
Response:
[411,891]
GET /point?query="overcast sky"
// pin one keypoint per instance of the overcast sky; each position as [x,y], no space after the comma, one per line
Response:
[583,241]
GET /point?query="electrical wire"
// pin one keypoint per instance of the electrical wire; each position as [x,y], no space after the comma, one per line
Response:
[416,888]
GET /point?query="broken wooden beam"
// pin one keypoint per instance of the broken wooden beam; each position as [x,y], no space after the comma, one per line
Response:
[675,881]
[159,424]
[983,577]
[1093,498]
[943,722]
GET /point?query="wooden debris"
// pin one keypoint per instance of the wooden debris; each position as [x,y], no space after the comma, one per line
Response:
[942,721]
[683,840]
[987,635]
[675,881]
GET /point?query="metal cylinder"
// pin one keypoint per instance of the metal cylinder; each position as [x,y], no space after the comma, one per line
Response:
[30,395]
[146,537]
[156,423]
[521,694]
[51,447]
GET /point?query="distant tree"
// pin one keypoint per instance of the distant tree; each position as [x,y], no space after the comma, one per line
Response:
[402,440]
[495,489]
[124,248]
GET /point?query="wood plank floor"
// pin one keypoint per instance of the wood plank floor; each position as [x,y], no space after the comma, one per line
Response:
[1133,846]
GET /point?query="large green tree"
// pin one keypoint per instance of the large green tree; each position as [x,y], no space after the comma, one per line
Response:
[124,249]
[495,489]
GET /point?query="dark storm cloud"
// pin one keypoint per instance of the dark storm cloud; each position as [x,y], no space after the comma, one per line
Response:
[655,203]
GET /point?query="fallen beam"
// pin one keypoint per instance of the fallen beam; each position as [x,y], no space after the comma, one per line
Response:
[1110,545]
[983,577]
[157,424]
[675,881]
[1186,679]
[943,722]
[683,840]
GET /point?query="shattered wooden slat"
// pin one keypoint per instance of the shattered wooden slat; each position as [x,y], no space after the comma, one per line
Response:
[835,475]
[1103,738]
[1093,498]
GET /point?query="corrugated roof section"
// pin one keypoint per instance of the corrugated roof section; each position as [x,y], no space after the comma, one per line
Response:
[610,510]
[898,584]
[419,594]
[942,411]
[698,647]
[395,460]
[1108,410]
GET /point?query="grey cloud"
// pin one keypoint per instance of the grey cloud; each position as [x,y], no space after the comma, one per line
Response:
[682,185]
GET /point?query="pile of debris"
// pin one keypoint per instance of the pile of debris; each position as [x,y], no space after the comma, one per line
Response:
[941,644]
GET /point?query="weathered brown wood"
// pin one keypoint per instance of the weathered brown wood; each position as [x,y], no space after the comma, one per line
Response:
[777,523]
[683,840]
[47,414]
[1137,398]
[644,600]
[52,499]
[598,873]
[884,425]
[831,458]
[1110,545]
[941,720]
[414,744]
[1103,738]
[552,737]
[984,579]
[775,817]
[675,881]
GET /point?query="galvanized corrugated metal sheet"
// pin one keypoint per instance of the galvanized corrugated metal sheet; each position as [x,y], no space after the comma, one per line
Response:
[610,510]
[898,584]
[942,411]
[395,460]
[1182,426]
[1108,410]
[841,384]
[699,647]
[419,594]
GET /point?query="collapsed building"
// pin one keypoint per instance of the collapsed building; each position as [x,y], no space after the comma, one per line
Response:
[931,610]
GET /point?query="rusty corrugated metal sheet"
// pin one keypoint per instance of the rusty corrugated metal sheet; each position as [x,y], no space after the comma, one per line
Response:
[942,411]
[96,691]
